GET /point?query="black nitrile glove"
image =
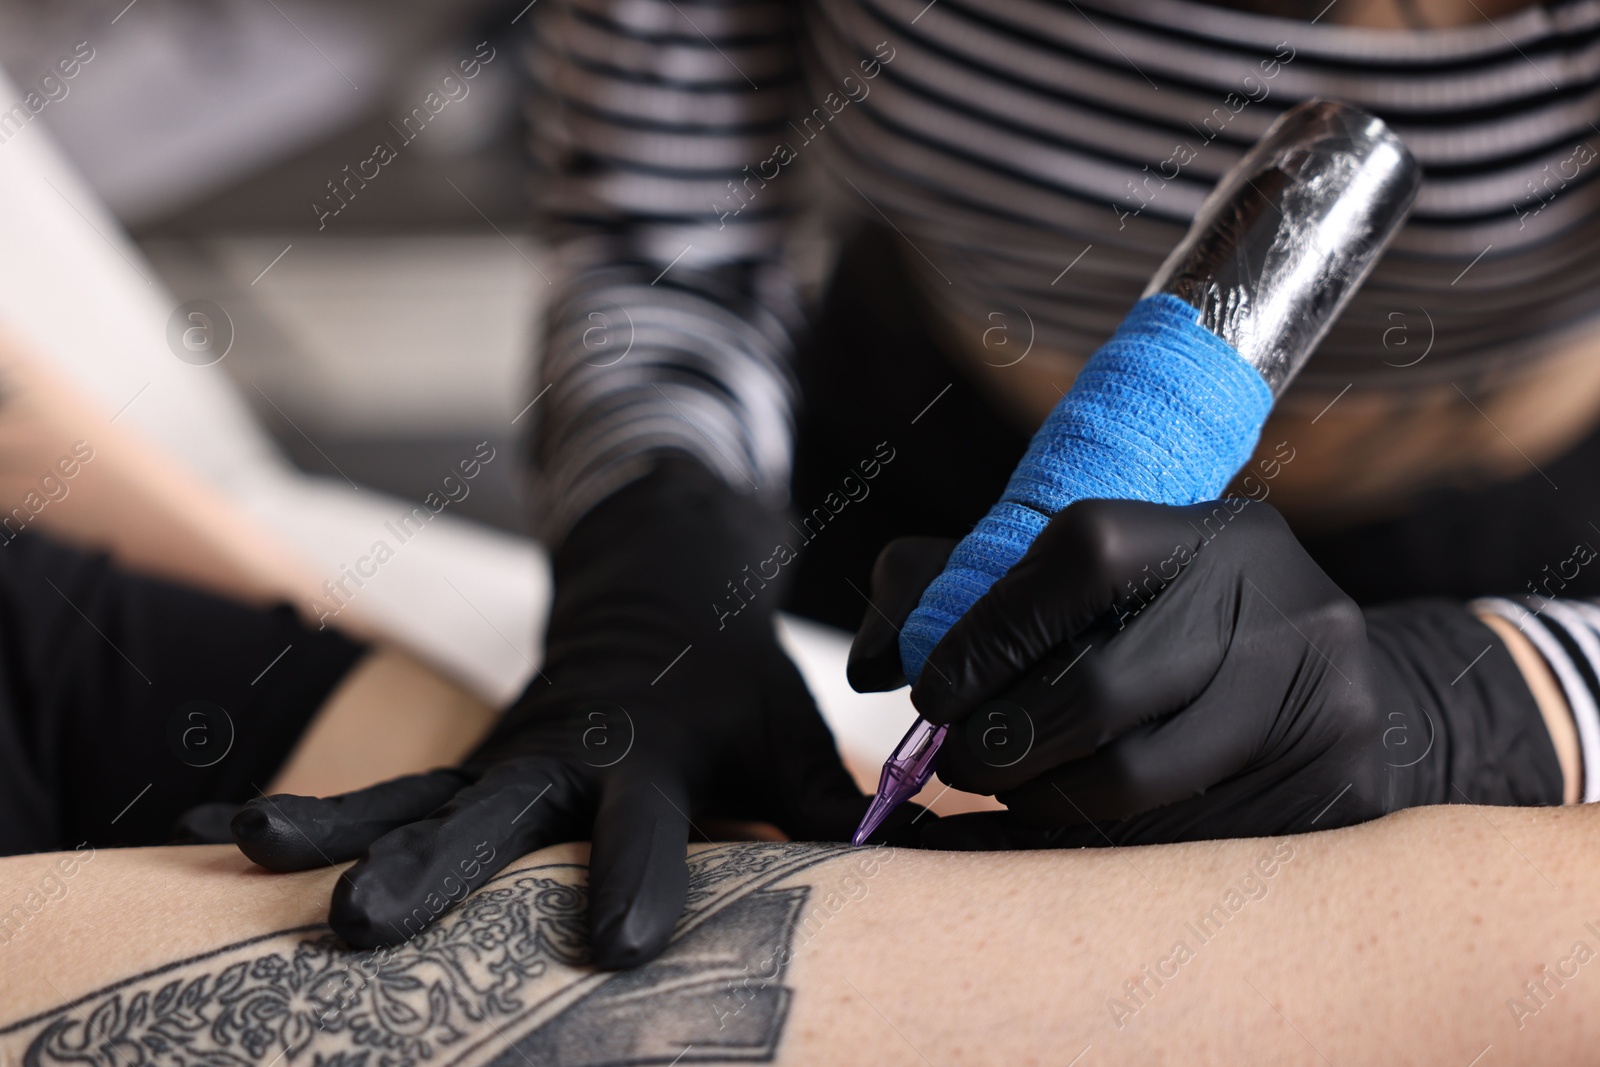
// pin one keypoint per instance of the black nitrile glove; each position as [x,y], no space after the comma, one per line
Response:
[662,705]
[1150,673]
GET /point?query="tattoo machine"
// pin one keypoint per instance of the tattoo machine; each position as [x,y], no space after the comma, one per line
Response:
[1171,407]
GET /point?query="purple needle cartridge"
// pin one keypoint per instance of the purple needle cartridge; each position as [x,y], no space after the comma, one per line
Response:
[904,775]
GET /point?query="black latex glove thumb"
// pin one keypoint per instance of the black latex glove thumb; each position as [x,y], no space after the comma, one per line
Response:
[905,567]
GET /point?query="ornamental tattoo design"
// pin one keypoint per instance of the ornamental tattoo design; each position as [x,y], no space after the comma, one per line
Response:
[502,980]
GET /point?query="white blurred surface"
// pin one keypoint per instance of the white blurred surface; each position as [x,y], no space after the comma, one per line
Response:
[422,333]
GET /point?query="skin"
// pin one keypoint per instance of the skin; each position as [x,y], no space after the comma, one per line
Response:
[132,500]
[1404,940]
[389,716]
[1552,704]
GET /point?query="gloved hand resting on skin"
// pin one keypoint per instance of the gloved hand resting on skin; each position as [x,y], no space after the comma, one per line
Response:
[1150,673]
[629,738]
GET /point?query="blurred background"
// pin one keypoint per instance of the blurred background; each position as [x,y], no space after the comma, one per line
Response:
[378,343]
[384,309]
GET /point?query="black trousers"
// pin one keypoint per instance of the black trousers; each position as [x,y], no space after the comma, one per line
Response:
[871,368]
[125,701]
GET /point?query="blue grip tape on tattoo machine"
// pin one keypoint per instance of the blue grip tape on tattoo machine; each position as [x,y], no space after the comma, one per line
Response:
[1171,407]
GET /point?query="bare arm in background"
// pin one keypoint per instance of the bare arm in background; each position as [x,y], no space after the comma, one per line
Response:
[68,470]
[1429,936]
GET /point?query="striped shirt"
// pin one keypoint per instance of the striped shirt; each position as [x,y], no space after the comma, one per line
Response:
[1005,140]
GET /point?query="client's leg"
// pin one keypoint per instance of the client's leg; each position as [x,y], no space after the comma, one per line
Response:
[1425,937]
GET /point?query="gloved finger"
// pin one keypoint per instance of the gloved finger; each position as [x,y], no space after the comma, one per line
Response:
[982,831]
[1092,556]
[902,571]
[1095,689]
[1161,763]
[284,832]
[638,877]
[412,875]
[204,824]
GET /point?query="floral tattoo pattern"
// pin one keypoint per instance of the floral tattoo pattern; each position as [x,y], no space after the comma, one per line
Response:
[501,980]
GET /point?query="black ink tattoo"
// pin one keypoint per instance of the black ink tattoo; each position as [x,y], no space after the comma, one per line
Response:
[500,981]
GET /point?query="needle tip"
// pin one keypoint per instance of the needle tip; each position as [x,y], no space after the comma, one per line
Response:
[878,811]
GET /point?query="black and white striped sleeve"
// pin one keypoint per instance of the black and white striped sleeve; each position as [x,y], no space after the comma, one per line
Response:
[673,319]
[1567,635]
